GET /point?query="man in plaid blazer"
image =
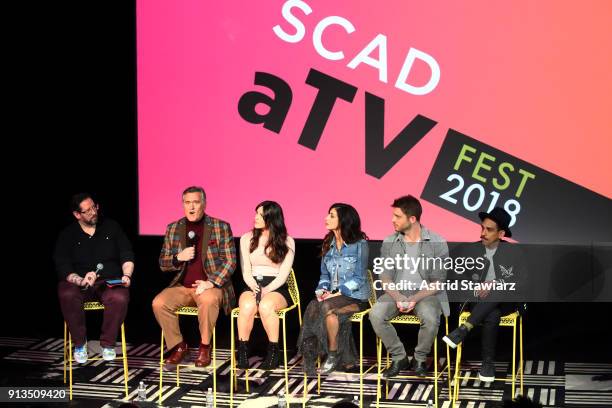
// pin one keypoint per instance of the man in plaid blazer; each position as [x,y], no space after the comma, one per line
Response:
[201,249]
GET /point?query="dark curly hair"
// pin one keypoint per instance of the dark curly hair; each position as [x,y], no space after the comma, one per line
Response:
[349,223]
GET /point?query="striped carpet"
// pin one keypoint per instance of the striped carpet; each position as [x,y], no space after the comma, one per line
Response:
[36,362]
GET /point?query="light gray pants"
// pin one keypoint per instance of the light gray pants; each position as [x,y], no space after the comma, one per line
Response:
[428,311]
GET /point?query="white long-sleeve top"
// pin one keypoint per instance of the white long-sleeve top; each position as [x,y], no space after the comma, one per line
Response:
[256,262]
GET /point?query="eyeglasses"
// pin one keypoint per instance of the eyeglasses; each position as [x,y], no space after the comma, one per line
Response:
[93,209]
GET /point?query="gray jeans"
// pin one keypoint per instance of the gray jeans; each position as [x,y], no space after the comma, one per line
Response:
[428,311]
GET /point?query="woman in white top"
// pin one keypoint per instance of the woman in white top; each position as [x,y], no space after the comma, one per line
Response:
[266,257]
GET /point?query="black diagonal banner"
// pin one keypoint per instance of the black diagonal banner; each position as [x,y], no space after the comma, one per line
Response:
[470,176]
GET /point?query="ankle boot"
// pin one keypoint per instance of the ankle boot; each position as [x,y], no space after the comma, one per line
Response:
[330,364]
[271,361]
[203,359]
[243,354]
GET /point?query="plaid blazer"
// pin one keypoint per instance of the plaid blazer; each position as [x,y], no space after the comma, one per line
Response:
[220,261]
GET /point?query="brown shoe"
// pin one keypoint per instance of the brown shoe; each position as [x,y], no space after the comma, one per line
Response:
[203,359]
[178,354]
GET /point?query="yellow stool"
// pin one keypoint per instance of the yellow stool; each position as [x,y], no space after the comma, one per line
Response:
[511,320]
[355,318]
[295,297]
[188,311]
[413,319]
[68,348]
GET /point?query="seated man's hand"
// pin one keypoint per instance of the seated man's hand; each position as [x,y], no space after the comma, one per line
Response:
[201,285]
[127,281]
[404,304]
[89,279]
[483,293]
[411,306]
[186,254]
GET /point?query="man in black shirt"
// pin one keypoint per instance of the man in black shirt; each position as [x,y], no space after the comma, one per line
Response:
[89,253]
[503,263]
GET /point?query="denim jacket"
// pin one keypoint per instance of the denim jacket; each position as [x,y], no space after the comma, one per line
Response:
[346,270]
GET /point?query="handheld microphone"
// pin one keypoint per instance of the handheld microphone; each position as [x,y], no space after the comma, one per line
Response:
[99,267]
[259,278]
[192,238]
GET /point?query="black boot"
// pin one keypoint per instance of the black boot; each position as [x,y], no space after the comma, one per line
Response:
[396,367]
[271,361]
[243,354]
[419,367]
[487,370]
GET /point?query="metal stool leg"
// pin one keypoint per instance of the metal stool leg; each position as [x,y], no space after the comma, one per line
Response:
[521,362]
[378,370]
[448,362]
[387,365]
[285,353]
[513,361]
[214,338]
[232,362]
[457,374]
[361,363]
[70,361]
[125,361]
[161,367]
[65,348]
[436,371]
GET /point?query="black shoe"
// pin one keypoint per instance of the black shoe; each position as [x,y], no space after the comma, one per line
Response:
[271,361]
[487,371]
[396,367]
[456,336]
[243,355]
[330,363]
[419,367]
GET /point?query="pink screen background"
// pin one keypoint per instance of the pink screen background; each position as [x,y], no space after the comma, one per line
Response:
[529,78]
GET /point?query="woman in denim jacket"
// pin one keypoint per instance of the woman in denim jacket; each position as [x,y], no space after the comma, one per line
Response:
[343,289]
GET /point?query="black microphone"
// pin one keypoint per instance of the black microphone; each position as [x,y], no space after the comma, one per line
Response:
[259,278]
[192,238]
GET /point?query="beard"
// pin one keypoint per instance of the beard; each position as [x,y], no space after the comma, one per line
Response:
[405,229]
[92,222]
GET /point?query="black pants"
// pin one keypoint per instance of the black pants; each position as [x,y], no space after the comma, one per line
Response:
[488,314]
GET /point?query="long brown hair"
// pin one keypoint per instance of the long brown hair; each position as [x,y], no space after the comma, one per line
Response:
[350,226]
[276,248]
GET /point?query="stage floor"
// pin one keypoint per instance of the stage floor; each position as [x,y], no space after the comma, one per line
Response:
[39,362]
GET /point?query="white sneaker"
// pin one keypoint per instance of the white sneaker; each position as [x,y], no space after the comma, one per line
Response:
[108,353]
[80,354]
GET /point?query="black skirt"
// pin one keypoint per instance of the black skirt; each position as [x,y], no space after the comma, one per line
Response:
[283,289]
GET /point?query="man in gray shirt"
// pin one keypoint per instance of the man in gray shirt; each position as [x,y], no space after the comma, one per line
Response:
[418,258]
